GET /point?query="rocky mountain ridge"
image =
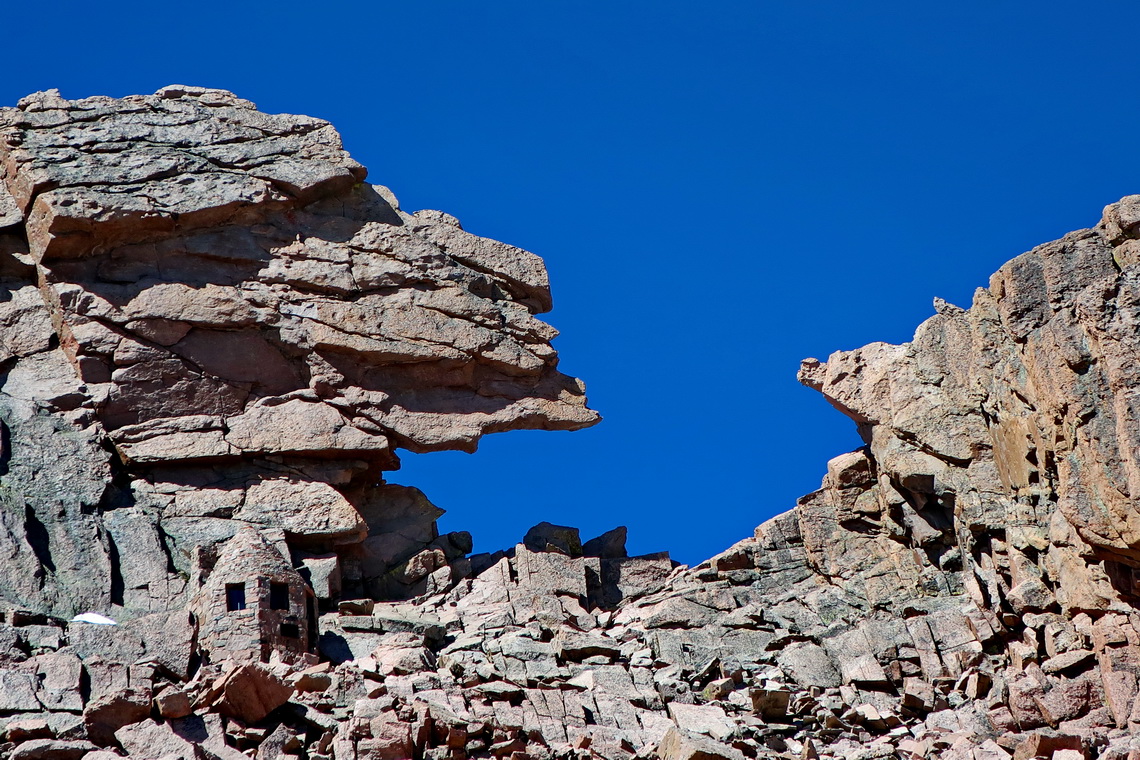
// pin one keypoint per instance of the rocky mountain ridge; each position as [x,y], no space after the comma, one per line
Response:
[214,335]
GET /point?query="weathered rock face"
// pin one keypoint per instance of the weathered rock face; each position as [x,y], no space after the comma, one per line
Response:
[216,321]
[225,285]
[213,337]
[1018,414]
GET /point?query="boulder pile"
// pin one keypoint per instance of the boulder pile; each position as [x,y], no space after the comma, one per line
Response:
[214,337]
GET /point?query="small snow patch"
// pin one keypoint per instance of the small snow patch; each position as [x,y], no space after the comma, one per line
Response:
[94,618]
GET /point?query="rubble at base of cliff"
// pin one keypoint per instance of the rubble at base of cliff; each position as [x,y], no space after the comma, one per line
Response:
[519,661]
[215,336]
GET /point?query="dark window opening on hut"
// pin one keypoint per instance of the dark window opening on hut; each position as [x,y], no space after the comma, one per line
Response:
[235,596]
[278,596]
[290,631]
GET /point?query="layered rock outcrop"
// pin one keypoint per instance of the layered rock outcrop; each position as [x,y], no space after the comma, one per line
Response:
[215,321]
[213,338]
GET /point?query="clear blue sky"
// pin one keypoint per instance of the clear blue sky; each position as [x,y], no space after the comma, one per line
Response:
[718,189]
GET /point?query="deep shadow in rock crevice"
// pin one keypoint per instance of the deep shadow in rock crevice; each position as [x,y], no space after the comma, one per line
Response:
[38,538]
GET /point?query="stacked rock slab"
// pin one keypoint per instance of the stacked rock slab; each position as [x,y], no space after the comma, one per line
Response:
[213,338]
[217,323]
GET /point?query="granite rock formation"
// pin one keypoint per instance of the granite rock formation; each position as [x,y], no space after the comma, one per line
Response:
[216,322]
[214,336]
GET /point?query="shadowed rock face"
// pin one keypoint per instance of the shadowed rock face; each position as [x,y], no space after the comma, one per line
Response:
[218,320]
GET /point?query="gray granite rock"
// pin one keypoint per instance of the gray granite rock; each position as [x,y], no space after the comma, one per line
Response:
[213,340]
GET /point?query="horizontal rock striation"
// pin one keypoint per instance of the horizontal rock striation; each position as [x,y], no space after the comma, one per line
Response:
[213,338]
[216,322]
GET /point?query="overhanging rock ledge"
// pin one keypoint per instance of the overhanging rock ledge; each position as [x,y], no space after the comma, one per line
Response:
[214,336]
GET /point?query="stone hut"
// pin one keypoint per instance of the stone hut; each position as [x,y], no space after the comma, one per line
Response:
[253,603]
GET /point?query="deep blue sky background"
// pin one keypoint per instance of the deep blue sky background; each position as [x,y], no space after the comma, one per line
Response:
[718,189]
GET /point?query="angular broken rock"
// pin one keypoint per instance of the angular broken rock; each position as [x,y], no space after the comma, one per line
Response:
[148,739]
[609,545]
[250,692]
[51,749]
[107,714]
[558,538]
[702,719]
[681,745]
[17,691]
[771,704]
[173,703]
[575,646]
[213,328]
[22,730]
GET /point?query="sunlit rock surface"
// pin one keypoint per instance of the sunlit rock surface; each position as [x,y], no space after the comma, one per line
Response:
[214,337]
